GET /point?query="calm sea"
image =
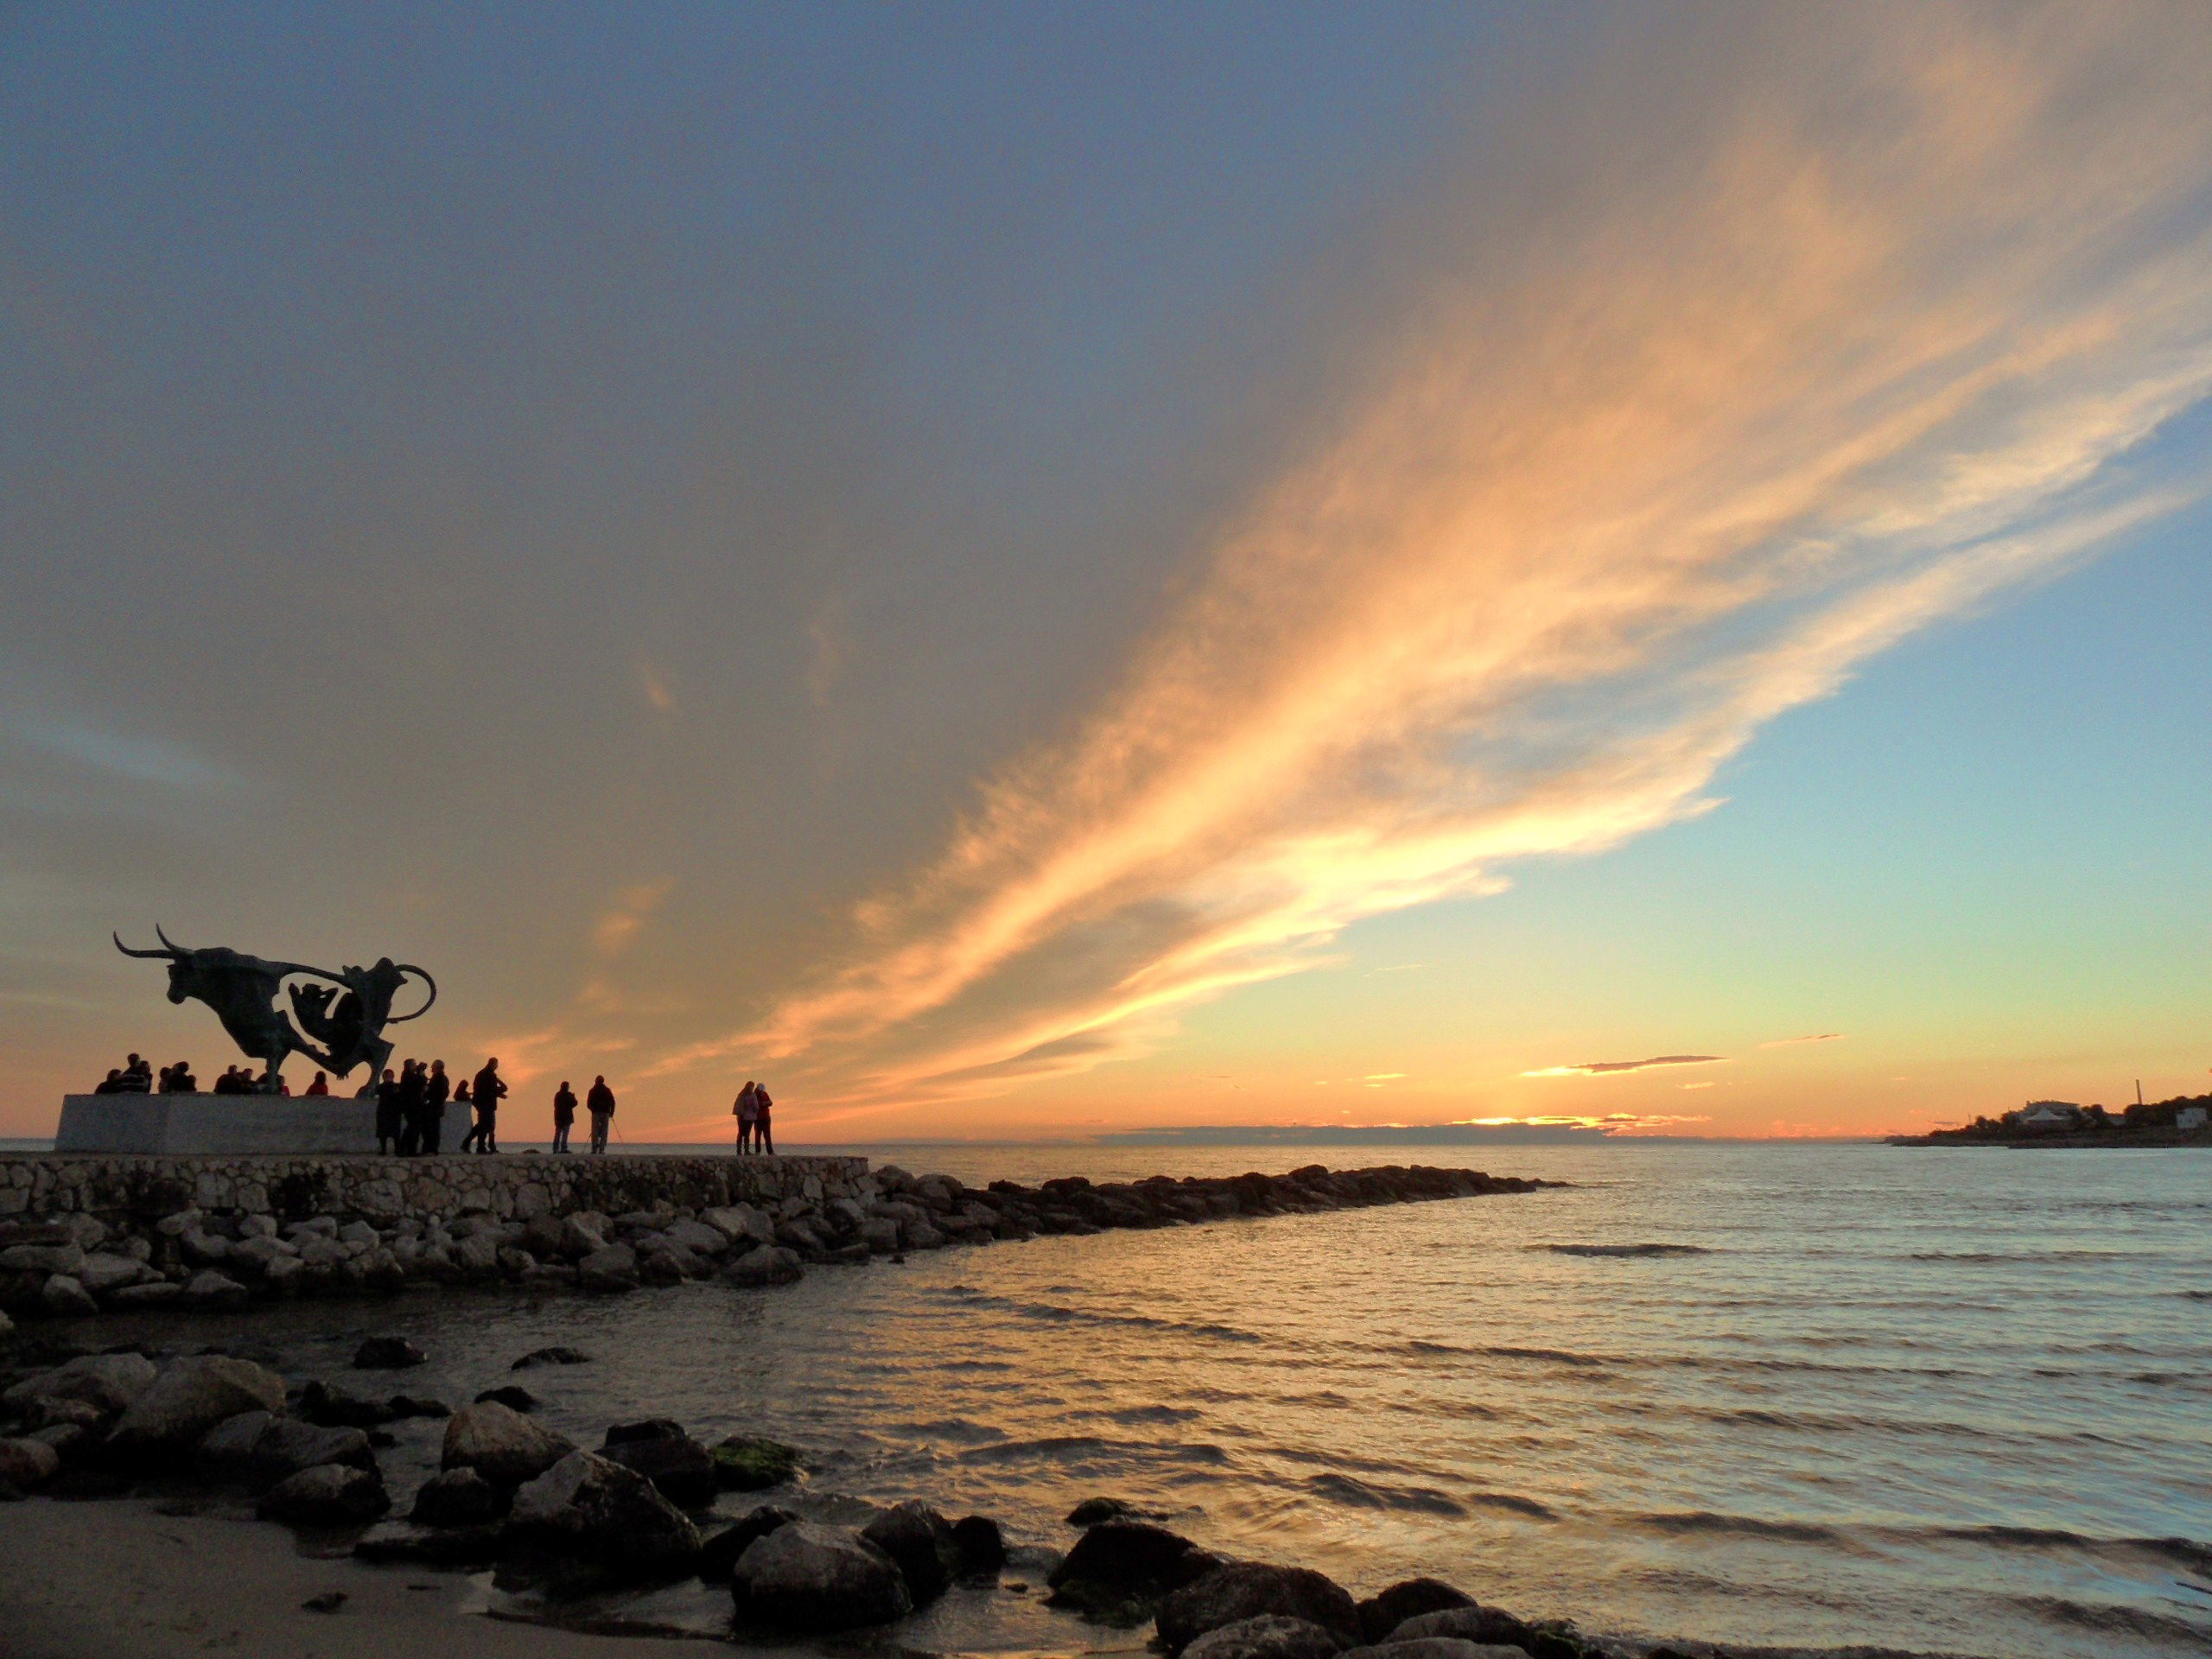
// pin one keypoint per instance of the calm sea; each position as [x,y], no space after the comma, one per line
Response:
[1932,1400]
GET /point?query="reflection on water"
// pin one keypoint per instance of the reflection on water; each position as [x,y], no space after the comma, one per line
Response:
[1948,1399]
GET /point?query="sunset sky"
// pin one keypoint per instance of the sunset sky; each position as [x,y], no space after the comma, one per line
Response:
[1018,570]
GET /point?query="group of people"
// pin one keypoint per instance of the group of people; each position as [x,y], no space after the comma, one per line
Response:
[411,1107]
[755,1131]
[412,1103]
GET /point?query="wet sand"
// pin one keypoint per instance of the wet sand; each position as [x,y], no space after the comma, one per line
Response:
[118,1580]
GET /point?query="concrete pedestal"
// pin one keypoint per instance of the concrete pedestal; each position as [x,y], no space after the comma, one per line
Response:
[215,1124]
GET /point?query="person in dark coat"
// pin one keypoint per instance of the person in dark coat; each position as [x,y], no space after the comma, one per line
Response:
[387,1109]
[600,1104]
[434,1089]
[411,1108]
[764,1131]
[564,1115]
[490,1086]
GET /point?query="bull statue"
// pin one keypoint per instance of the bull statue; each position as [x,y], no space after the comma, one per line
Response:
[242,990]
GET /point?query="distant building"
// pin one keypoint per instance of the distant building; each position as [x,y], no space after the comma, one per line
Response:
[2190,1118]
[2046,1115]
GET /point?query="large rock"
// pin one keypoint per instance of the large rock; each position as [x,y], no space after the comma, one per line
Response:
[328,1494]
[104,1273]
[745,1463]
[589,1507]
[1244,1590]
[110,1382]
[681,1469]
[980,1546]
[27,1464]
[501,1445]
[807,1576]
[387,1354]
[66,1298]
[1440,1647]
[718,1554]
[211,1290]
[739,1223]
[919,1543]
[1483,1625]
[764,1264]
[1134,1554]
[255,1451]
[1382,1613]
[1270,1635]
[41,1258]
[699,1237]
[189,1397]
[610,1271]
[458,1498]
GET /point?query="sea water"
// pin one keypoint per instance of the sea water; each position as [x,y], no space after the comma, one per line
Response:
[1821,1396]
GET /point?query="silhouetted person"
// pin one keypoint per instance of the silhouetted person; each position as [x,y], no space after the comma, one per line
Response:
[746,1110]
[411,1108]
[110,1084]
[490,1085]
[182,1082]
[764,1136]
[600,1104]
[564,1115]
[435,1087]
[387,1110]
[138,1078]
[321,1085]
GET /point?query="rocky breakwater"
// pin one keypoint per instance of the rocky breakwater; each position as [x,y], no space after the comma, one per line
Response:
[82,1235]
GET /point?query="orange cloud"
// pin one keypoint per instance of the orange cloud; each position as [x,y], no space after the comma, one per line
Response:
[1603,506]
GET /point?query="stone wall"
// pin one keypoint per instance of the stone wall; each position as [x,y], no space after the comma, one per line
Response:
[509,1186]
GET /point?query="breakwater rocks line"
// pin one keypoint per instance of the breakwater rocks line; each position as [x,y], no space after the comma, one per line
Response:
[86,1234]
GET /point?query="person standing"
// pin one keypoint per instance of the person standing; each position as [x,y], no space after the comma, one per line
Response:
[763,1138]
[564,1115]
[490,1086]
[600,1104]
[435,1088]
[321,1086]
[411,1108]
[387,1108]
[748,1113]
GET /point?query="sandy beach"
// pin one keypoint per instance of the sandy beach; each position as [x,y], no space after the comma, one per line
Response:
[121,1580]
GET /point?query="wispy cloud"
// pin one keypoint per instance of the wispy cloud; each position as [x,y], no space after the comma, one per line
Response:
[1602,1068]
[1792,1042]
[1864,346]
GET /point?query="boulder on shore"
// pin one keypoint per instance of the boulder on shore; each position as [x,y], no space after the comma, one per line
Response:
[718,1554]
[387,1354]
[328,1494]
[764,1264]
[589,1507]
[1269,1635]
[1119,1569]
[255,1450]
[744,1463]
[919,1543]
[1492,1625]
[109,1382]
[501,1445]
[1244,1590]
[458,1498]
[187,1398]
[27,1464]
[807,1576]
[980,1546]
[681,1469]
[1440,1647]
[1382,1613]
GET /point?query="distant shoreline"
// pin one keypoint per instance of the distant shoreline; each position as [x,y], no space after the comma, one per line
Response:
[2067,1140]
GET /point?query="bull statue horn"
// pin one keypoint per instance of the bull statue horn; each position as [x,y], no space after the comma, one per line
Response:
[169,942]
[409,968]
[173,951]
